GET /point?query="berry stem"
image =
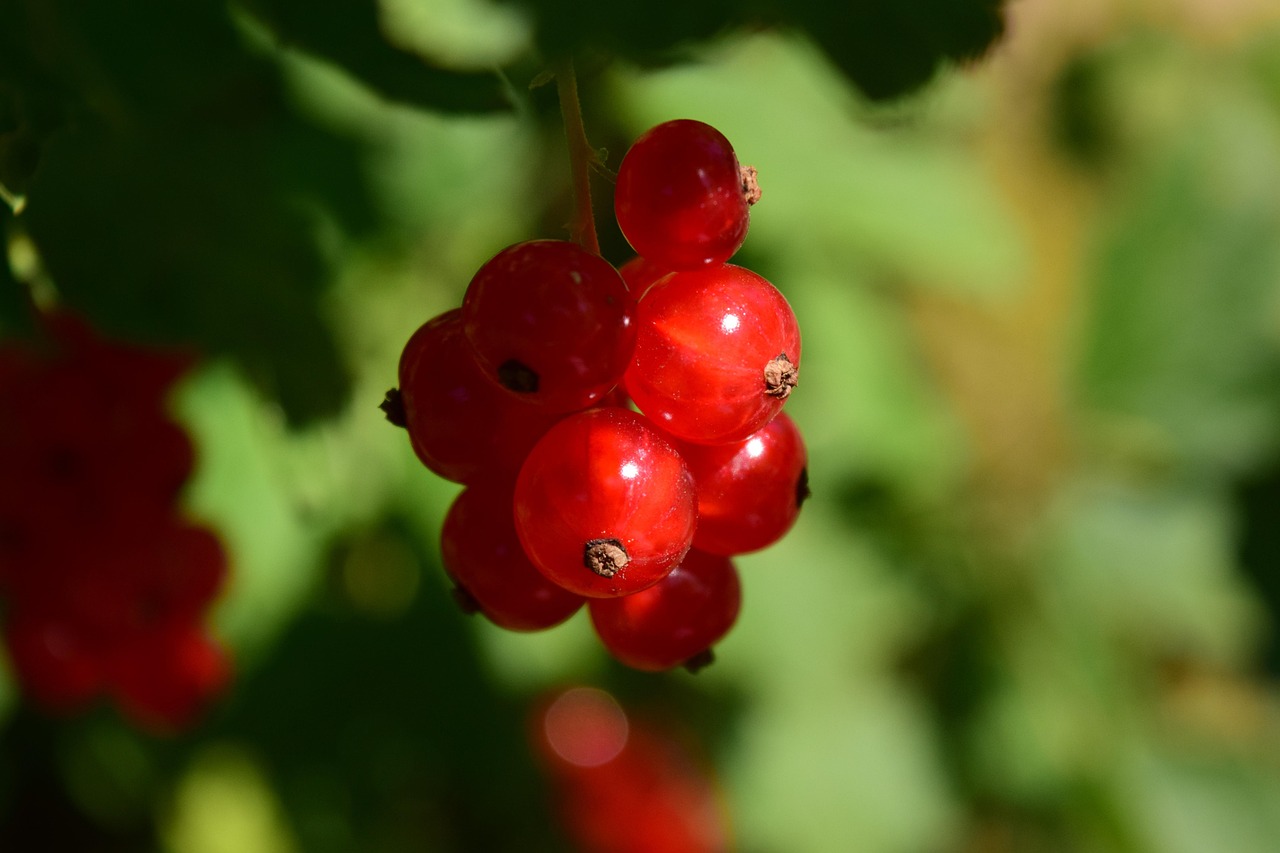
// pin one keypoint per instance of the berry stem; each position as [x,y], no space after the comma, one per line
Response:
[581,155]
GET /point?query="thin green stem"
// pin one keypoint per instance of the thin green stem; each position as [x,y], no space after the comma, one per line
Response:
[581,156]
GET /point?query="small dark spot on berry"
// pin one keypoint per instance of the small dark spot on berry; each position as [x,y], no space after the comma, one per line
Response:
[517,376]
[802,487]
[392,406]
[700,661]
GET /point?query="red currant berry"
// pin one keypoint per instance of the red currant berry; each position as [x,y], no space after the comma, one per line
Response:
[676,620]
[483,556]
[164,680]
[141,578]
[551,322]
[750,491]
[681,199]
[56,663]
[717,353]
[604,505]
[460,424]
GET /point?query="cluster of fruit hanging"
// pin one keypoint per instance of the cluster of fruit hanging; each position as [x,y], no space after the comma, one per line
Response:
[619,431]
[105,582]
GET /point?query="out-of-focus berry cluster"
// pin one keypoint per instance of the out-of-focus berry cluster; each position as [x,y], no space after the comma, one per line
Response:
[105,583]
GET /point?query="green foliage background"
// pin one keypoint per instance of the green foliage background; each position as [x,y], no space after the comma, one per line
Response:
[1032,603]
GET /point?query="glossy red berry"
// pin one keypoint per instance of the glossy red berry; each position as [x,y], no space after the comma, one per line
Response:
[460,424]
[750,491]
[717,354]
[680,198]
[550,322]
[604,505]
[676,620]
[483,556]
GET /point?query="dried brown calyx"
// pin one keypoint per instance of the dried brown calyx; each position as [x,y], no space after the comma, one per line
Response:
[750,184]
[780,376]
[605,557]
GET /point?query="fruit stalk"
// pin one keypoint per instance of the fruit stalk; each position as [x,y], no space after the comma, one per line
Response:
[583,228]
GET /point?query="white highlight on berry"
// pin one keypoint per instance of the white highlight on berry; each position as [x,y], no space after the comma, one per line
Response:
[730,323]
[629,471]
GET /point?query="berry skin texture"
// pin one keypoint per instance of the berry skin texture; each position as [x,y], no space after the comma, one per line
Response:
[675,620]
[749,492]
[680,199]
[717,354]
[460,424]
[550,322]
[483,556]
[605,505]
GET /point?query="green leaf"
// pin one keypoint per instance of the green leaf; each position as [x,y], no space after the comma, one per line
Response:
[183,239]
[182,199]
[885,49]
[1180,340]
[349,34]
[891,49]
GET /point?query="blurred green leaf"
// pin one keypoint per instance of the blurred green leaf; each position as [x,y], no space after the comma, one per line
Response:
[885,49]
[1194,803]
[1155,569]
[384,734]
[349,33]
[840,194]
[890,49]
[1182,335]
[181,198]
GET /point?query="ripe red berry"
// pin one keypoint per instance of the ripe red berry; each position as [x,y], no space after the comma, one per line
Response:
[482,554]
[717,353]
[604,505]
[676,620]
[680,198]
[460,424]
[551,322]
[750,491]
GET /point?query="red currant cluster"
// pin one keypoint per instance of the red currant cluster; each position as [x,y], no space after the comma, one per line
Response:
[528,395]
[105,584]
